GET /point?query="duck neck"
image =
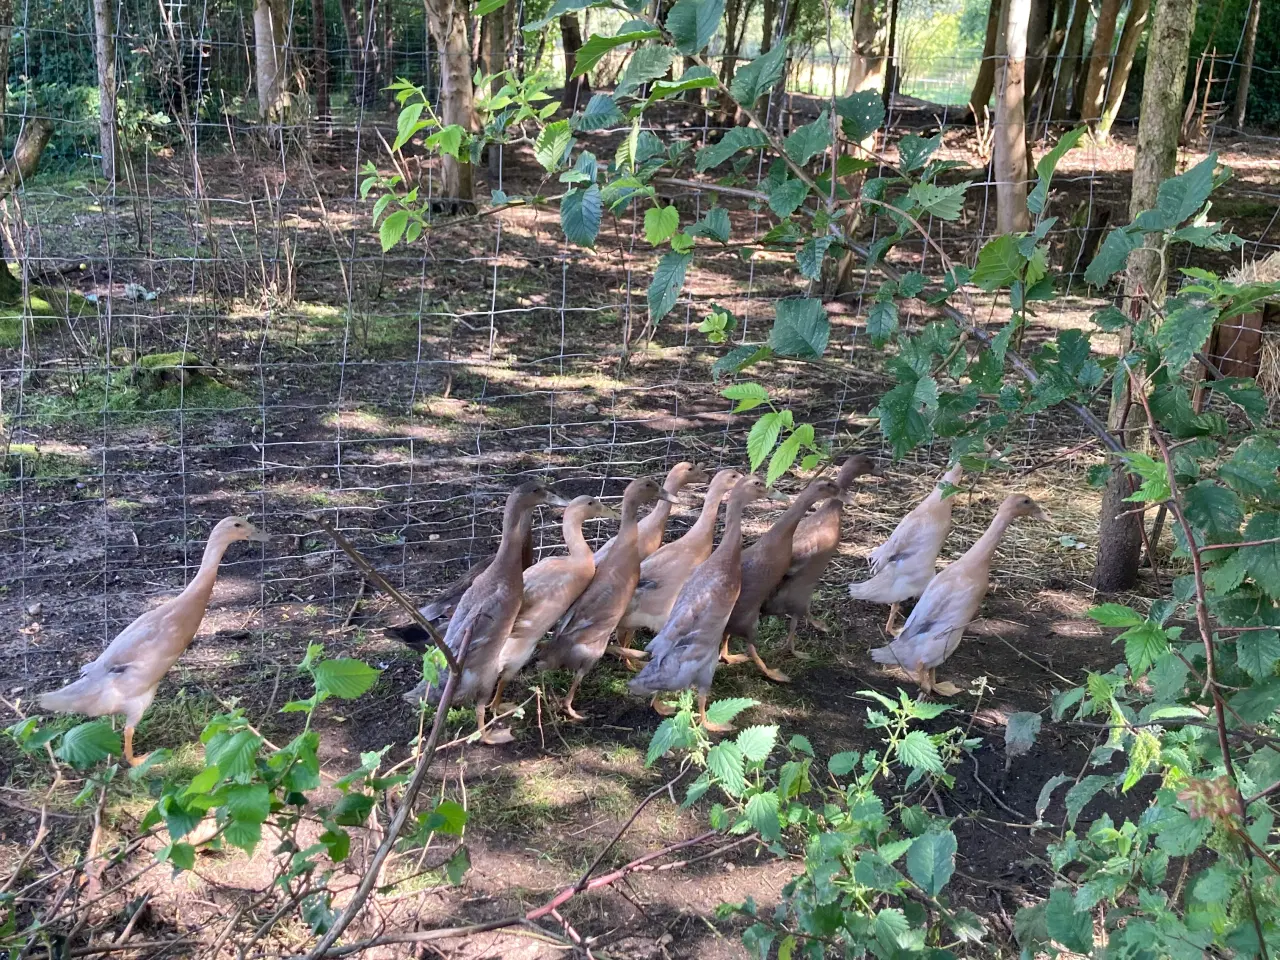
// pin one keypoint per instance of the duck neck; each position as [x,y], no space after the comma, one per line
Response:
[731,540]
[579,551]
[787,523]
[985,548]
[705,526]
[201,585]
[516,524]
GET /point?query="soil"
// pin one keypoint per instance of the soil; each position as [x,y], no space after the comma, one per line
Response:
[401,395]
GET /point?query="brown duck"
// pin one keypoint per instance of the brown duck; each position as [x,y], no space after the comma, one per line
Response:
[764,564]
[654,525]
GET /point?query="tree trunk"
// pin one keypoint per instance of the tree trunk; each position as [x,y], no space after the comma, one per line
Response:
[1246,63]
[268,32]
[865,66]
[1069,62]
[105,52]
[1131,36]
[577,90]
[320,61]
[1095,81]
[386,65]
[1037,46]
[732,13]
[980,99]
[1010,140]
[891,56]
[6,40]
[32,140]
[448,21]
[1120,538]
[769,15]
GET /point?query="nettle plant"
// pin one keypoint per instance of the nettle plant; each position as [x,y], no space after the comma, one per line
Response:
[247,790]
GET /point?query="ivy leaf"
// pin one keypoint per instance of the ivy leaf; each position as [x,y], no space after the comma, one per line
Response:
[753,80]
[914,152]
[591,52]
[882,321]
[1187,325]
[918,752]
[932,860]
[762,813]
[346,679]
[1112,256]
[737,138]
[757,742]
[647,63]
[552,144]
[764,434]
[808,141]
[1215,511]
[1047,164]
[1020,733]
[600,112]
[714,225]
[668,280]
[945,203]
[786,197]
[860,114]
[661,223]
[999,264]
[84,745]
[692,23]
[1257,652]
[1072,929]
[580,212]
[801,329]
[725,761]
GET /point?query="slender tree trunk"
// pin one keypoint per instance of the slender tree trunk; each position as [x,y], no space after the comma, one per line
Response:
[105,52]
[768,17]
[32,139]
[1246,63]
[320,61]
[6,40]
[865,67]
[732,13]
[984,86]
[1037,46]
[1010,141]
[448,22]
[1120,537]
[386,64]
[1130,37]
[577,90]
[1069,61]
[891,55]
[1095,81]
[357,50]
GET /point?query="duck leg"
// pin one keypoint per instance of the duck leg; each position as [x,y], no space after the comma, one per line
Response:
[496,704]
[128,749]
[707,724]
[728,657]
[944,687]
[893,615]
[819,625]
[777,676]
[624,649]
[662,709]
[567,705]
[488,734]
[924,678]
[791,641]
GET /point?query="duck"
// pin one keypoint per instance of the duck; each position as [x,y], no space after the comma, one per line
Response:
[583,635]
[950,601]
[487,612]
[550,588]
[686,649]
[764,564]
[665,571]
[124,677]
[654,526]
[816,541]
[903,565]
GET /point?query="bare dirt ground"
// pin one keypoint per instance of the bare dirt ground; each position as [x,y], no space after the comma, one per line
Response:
[402,395]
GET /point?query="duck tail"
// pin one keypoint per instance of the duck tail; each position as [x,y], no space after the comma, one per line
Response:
[867,589]
[884,655]
[69,699]
[411,635]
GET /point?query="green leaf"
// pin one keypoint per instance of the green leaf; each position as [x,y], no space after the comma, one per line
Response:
[1257,652]
[918,752]
[694,78]
[1143,752]
[647,63]
[762,813]
[882,321]
[1078,796]
[756,78]
[801,329]
[407,124]
[945,203]
[447,140]
[1215,511]
[1180,197]
[1071,929]
[181,855]
[1180,836]
[233,754]
[1112,256]
[580,212]
[785,455]
[392,229]
[458,865]
[786,197]
[1187,325]
[1116,615]
[757,742]
[725,761]
[1046,792]
[1251,471]
[553,144]
[840,764]
[338,844]
[250,802]
[800,742]
[739,358]
[999,264]
[1155,478]
[861,114]
[600,112]
[84,745]
[758,938]
[737,138]
[764,434]
[748,395]
[811,255]
[724,711]
[668,280]
[203,782]
[1020,733]
[486,7]
[346,679]
[663,739]
[591,52]
[932,860]
[692,23]
[1143,646]
[244,834]
[808,141]
[661,223]
[449,818]
[1047,164]
[714,225]
[1263,562]
[914,152]
[352,809]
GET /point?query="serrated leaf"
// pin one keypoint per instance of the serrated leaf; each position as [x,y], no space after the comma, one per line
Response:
[337,844]
[661,223]
[591,52]
[808,141]
[181,855]
[786,198]
[748,395]
[914,151]
[1143,646]
[1181,197]
[407,124]
[87,743]
[346,679]
[1263,561]
[757,77]
[783,458]
[1116,615]
[725,761]
[918,752]
[1187,325]
[449,818]
[757,742]
[811,254]
[739,358]
[1078,796]
[882,321]
[1112,256]
[693,78]
[1072,929]
[801,743]
[392,229]
[1143,752]
[861,114]
[945,203]
[647,63]
[352,809]
[1020,733]
[600,112]
[801,329]
[580,212]
[692,23]
[737,138]
[1045,167]
[249,802]
[233,754]
[668,280]
[663,739]
[762,813]
[553,144]
[999,264]
[244,834]
[840,764]
[724,711]
[762,438]
[1257,652]
[457,866]
[932,860]
[714,225]
[1179,835]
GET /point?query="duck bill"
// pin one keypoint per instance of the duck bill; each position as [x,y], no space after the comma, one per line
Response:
[556,500]
[777,496]
[608,513]
[258,536]
[668,497]
[1042,515]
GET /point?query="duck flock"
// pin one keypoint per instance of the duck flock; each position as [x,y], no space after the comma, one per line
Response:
[693,595]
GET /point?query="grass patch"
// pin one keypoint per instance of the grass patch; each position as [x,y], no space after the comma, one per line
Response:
[45,309]
[24,461]
[132,399]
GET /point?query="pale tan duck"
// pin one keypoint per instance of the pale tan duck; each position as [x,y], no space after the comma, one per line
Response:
[124,678]
[764,564]
[903,565]
[950,601]
[665,571]
[686,650]
[583,635]
[550,588]
[488,610]
[816,541]
[654,525]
